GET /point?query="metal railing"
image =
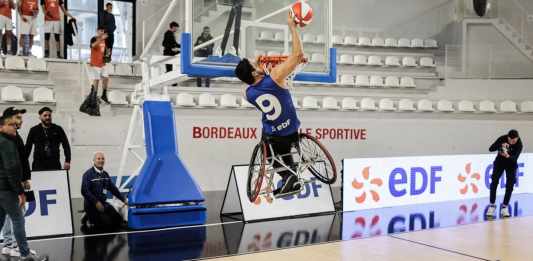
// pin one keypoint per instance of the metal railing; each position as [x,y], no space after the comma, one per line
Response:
[516,15]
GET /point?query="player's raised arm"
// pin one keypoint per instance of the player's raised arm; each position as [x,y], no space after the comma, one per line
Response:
[282,71]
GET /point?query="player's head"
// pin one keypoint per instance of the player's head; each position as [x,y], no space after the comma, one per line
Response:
[109,7]
[512,137]
[248,72]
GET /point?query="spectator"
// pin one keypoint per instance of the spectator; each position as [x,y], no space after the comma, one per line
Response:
[28,10]
[12,198]
[6,23]
[98,70]
[108,23]
[204,51]
[170,46]
[47,137]
[52,23]
[10,245]
[96,181]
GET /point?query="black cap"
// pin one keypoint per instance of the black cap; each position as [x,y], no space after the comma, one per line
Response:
[174,24]
[513,134]
[44,109]
[12,111]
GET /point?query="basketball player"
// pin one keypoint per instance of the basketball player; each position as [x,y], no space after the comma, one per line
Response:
[269,94]
[509,148]
[52,23]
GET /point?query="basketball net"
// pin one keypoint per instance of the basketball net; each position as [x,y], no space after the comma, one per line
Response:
[271,61]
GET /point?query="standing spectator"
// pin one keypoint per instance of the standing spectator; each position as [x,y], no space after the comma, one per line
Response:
[98,70]
[6,23]
[47,137]
[204,51]
[509,148]
[52,23]
[28,10]
[95,183]
[108,23]
[12,198]
[10,245]
[170,46]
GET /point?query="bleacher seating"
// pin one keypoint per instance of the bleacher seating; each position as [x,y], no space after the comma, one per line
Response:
[376,81]
[445,106]
[417,43]
[526,106]
[392,82]
[43,95]
[508,107]
[310,103]
[206,100]
[122,69]
[465,106]
[425,105]
[12,94]
[117,97]
[330,103]
[378,42]
[15,63]
[185,100]
[368,104]
[347,79]
[364,41]
[407,82]
[349,104]
[362,81]
[406,105]
[391,42]
[228,101]
[36,65]
[386,105]
[487,106]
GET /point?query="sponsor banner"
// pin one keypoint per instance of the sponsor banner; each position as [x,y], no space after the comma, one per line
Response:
[50,213]
[314,198]
[385,182]
[376,222]
[289,233]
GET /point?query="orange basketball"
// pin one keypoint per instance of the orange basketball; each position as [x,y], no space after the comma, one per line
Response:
[302,13]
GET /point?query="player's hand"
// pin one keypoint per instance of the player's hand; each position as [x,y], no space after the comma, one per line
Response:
[22,200]
[100,207]
[66,166]
[505,145]
[24,19]
[290,21]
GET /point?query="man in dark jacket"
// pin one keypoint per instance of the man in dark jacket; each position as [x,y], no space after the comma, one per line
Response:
[204,51]
[95,184]
[12,198]
[47,137]
[107,20]
[170,46]
[10,245]
[509,148]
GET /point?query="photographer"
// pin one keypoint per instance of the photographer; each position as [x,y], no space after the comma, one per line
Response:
[509,148]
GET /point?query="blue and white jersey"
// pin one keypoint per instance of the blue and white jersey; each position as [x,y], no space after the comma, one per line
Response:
[279,115]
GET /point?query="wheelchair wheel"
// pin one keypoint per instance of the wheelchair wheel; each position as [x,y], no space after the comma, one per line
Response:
[256,171]
[322,165]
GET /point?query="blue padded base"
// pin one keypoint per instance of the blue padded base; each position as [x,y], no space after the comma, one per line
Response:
[161,217]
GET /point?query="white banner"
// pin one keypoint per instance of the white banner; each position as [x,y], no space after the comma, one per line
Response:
[50,214]
[386,182]
[314,198]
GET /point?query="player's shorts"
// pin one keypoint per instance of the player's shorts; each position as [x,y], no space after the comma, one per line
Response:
[52,27]
[97,73]
[29,27]
[5,23]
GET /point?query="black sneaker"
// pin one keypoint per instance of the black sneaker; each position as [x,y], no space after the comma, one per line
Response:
[104,98]
[289,187]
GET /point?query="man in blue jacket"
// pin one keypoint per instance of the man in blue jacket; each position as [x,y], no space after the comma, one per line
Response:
[96,182]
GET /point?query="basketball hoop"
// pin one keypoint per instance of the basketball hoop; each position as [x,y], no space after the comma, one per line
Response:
[267,62]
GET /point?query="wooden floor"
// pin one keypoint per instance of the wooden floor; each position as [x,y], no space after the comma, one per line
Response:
[510,239]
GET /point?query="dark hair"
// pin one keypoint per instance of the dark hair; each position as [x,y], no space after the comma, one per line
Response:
[513,134]
[174,24]
[100,27]
[2,120]
[244,70]
[44,109]
[108,4]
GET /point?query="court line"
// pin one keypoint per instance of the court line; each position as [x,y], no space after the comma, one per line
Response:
[135,231]
[440,248]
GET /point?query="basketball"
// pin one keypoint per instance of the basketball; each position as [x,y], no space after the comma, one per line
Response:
[302,13]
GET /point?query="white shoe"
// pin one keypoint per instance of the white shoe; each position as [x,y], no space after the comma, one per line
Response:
[34,257]
[6,250]
[504,212]
[15,252]
[491,211]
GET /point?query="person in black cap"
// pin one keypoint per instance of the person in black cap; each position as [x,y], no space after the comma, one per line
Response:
[10,244]
[46,137]
[509,148]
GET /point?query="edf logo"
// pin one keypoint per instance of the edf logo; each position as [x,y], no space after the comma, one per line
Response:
[414,181]
[46,198]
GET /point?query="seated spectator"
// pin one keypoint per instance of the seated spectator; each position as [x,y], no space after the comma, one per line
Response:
[99,214]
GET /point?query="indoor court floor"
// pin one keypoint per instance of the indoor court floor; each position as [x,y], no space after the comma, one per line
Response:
[455,230]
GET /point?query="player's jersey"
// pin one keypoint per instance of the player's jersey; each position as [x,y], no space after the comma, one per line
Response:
[279,115]
[29,7]
[52,12]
